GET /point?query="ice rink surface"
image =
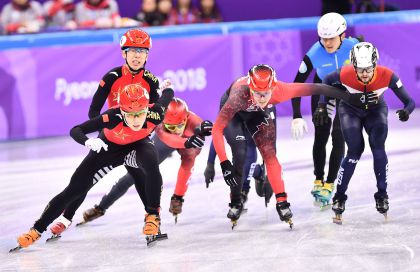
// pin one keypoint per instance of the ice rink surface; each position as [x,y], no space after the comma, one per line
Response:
[32,172]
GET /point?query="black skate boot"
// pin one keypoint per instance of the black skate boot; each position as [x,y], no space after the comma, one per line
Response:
[91,214]
[262,185]
[235,212]
[283,209]
[382,205]
[176,206]
[339,206]
[259,177]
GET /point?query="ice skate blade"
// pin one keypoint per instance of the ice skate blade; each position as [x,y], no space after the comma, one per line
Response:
[15,249]
[152,239]
[234,223]
[53,238]
[290,222]
[81,223]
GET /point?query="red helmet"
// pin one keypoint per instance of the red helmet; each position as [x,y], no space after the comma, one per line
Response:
[135,38]
[133,98]
[261,78]
[177,112]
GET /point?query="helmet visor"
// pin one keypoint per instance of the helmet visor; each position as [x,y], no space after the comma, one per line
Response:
[139,50]
[175,127]
[366,69]
[134,113]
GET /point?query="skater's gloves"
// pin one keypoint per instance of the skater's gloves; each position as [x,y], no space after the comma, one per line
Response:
[194,141]
[320,116]
[361,100]
[299,128]
[229,173]
[403,115]
[166,84]
[331,108]
[96,144]
[209,174]
[205,128]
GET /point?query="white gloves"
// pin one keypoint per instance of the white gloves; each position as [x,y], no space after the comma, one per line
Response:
[165,84]
[95,144]
[331,108]
[299,128]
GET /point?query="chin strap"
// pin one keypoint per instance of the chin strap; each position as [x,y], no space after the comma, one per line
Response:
[133,71]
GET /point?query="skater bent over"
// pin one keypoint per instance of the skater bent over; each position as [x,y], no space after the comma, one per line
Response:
[181,130]
[250,97]
[244,156]
[367,78]
[123,140]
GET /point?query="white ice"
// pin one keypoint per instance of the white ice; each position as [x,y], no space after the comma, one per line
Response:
[32,172]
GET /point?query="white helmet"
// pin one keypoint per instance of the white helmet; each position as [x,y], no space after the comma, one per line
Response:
[331,25]
[364,55]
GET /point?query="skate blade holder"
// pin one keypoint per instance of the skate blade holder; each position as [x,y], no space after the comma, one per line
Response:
[81,223]
[152,239]
[53,238]
[290,222]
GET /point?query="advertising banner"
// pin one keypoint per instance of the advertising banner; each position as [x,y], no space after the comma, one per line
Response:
[45,91]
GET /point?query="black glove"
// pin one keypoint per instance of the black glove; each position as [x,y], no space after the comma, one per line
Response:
[372,98]
[194,141]
[229,173]
[209,174]
[403,115]
[320,116]
[361,100]
[205,128]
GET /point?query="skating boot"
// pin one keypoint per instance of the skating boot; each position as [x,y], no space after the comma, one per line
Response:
[176,206]
[262,185]
[316,190]
[152,229]
[339,206]
[26,239]
[283,209]
[235,212]
[91,214]
[58,227]
[325,194]
[259,177]
[382,205]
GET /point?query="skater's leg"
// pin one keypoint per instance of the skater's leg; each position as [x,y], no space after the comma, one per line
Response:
[148,180]
[250,162]
[117,191]
[185,170]
[352,126]
[376,126]
[89,172]
[337,152]
[322,134]
[184,173]
[235,136]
